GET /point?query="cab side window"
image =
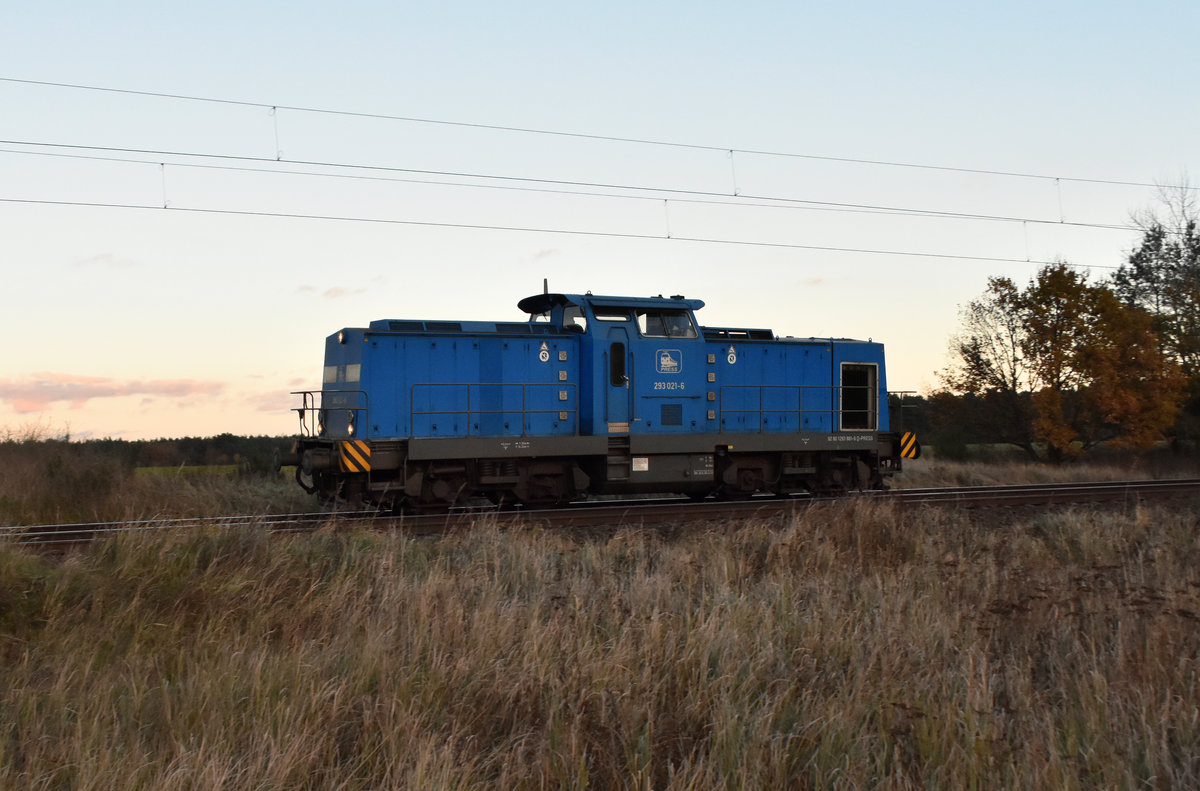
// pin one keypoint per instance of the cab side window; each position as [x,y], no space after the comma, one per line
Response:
[616,365]
[574,319]
[666,323]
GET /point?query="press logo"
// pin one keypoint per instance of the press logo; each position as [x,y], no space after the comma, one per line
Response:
[670,361]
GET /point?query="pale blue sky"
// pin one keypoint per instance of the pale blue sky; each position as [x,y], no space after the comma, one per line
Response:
[165,323]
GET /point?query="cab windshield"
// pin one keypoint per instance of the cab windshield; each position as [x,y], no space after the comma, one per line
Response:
[665,323]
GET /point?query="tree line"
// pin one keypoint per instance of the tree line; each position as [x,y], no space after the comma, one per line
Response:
[249,454]
[1062,365]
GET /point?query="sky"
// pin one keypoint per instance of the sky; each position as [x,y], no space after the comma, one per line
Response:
[255,176]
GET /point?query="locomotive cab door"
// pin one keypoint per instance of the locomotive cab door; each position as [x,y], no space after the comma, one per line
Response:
[618,393]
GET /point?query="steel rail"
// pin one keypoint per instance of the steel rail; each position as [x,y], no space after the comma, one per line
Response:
[78,532]
[1052,493]
[633,513]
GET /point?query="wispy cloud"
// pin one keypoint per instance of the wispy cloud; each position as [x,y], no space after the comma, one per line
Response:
[337,292]
[39,390]
[277,401]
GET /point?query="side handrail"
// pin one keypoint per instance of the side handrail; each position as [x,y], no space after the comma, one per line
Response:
[567,406]
[836,414]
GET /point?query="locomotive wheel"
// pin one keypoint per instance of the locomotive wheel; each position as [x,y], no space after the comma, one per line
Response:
[545,483]
[447,490]
[746,482]
[834,482]
[350,495]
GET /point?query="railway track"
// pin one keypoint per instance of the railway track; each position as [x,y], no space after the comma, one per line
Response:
[635,512]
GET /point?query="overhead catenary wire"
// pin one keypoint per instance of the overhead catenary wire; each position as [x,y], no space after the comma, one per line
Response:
[682,196]
[280,166]
[562,231]
[274,107]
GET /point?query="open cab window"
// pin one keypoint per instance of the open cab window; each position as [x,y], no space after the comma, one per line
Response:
[665,323]
[574,319]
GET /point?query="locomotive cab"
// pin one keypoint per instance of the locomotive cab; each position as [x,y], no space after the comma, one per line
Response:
[643,357]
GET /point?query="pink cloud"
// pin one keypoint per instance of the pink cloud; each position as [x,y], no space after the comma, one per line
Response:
[272,401]
[39,390]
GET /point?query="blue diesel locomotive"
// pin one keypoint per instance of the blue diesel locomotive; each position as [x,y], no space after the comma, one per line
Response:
[591,394]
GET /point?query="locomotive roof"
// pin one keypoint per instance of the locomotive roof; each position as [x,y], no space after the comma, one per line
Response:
[543,303]
[540,303]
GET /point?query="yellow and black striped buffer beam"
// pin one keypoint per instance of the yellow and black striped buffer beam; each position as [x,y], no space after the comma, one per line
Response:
[354,456]
[909,447]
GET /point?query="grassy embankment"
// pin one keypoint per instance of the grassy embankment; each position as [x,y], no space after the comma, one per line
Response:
[857,646]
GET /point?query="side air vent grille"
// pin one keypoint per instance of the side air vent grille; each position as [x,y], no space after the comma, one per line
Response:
[406,326]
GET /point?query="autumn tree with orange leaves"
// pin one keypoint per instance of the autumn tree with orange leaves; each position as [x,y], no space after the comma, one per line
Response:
[1162,276]
[1063,365]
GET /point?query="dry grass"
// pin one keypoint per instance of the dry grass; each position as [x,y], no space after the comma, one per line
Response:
[47,482]
[856,647]
[930,472]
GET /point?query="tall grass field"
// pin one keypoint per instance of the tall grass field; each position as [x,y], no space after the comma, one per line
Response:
[853,646]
